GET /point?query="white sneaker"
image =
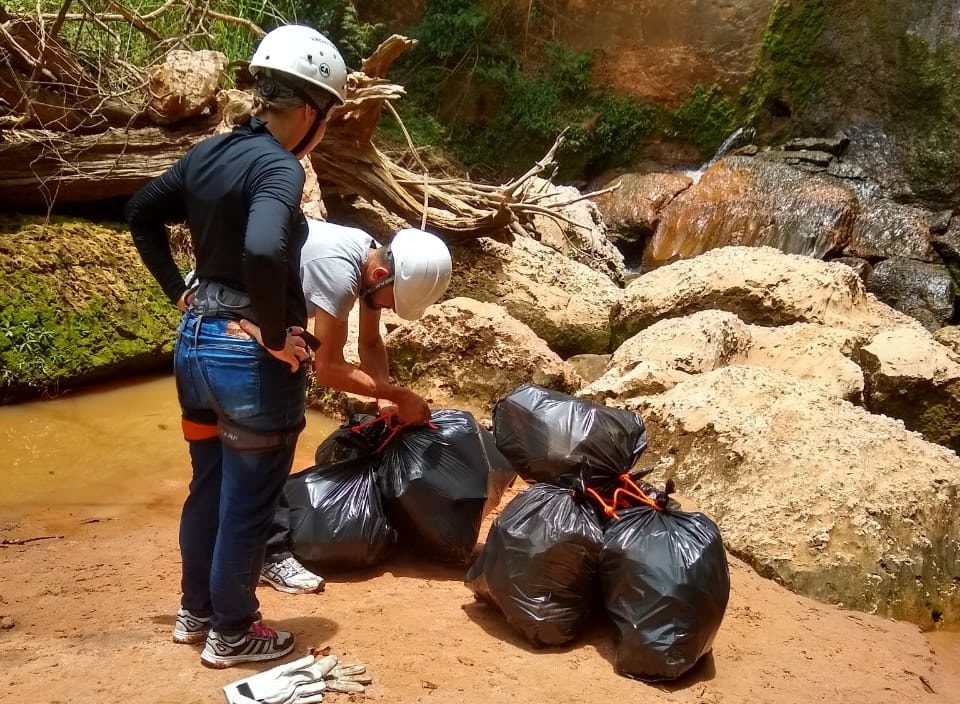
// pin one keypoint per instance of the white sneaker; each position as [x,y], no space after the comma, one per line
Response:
[288,575]
[258,644]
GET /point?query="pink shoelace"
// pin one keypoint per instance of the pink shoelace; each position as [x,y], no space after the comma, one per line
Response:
[260,631]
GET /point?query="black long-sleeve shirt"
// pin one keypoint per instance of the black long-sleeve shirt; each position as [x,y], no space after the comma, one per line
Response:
[240,195]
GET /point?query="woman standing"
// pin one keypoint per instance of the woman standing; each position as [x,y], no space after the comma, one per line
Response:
[242,398]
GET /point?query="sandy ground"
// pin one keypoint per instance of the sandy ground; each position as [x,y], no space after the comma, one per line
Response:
[92,611]
[93,614]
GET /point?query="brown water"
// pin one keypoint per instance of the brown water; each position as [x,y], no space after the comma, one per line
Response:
[103,451]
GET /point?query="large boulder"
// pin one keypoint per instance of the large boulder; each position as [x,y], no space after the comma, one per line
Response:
[745,201]
[916,379]
[922,291]
[564,302]
[815,353]
[466,349]
[76,305]
[632,211]
[669,351]
[832,501]
[761,285]
[184,85]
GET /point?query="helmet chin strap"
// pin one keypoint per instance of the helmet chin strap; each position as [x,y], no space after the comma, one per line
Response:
[299,150]
[382,283]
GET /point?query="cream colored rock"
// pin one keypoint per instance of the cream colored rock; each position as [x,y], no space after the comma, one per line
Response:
[832,501]
[915,378]
[468,350]
[812,352]
[184,85]
[584,237]
[761,285]
[564,302]
[644,379]
[667,352]
[312,200]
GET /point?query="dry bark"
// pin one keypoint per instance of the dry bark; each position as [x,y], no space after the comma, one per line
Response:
[67,164]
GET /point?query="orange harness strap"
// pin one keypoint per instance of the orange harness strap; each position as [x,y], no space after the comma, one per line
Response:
[193,431]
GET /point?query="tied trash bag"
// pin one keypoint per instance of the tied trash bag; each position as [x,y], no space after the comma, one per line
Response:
[437,481]
[555,438]
[501,476]
[665,585]
[337,518]
[359,436]
[539,564]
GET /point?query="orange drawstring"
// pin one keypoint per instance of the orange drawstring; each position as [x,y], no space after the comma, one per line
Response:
[631,491]
[609,510]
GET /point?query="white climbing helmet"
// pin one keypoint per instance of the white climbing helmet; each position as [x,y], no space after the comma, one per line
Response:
[421,271]
[304,53]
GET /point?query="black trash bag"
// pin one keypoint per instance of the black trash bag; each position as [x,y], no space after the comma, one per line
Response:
[359,436]
[555,438]
[502,474]
[665,584]
[434,482]
[539,564]
[337,518]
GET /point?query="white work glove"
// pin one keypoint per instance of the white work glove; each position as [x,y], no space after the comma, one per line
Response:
[302,681]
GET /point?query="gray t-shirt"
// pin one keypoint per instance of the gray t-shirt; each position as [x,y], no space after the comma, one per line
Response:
[331,262]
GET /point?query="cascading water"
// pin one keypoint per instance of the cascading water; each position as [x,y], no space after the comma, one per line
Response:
[737,138]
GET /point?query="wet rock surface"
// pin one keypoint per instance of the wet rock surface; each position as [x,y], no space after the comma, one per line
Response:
[923,291]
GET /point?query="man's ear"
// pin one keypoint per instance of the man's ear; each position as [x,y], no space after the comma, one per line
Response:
[379,273]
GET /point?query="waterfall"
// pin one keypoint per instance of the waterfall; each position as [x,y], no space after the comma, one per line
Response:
[733,140]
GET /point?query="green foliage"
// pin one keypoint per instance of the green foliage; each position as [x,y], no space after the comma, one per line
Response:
[705,118]
[786,70]
[340,21]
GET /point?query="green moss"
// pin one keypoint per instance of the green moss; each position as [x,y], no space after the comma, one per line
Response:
[706,118]
[927,93]
[75,304]
[786,71]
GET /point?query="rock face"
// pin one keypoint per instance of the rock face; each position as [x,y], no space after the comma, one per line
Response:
[184,85]
[887,229]
[746,201]
[467,349]
[661,50]
[761,285]
[949,336]
[915,379]
[564,302]
[828,499]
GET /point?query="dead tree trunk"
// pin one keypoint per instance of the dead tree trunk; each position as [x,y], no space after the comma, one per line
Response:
[39,167]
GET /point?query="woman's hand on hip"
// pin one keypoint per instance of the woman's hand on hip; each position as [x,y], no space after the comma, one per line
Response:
[294,349]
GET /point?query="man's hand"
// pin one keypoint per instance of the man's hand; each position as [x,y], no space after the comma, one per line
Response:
[294,349]
[412,408]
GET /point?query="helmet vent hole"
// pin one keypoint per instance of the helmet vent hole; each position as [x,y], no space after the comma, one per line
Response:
[310,58]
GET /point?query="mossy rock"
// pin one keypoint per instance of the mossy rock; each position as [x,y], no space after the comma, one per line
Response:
[76,305]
